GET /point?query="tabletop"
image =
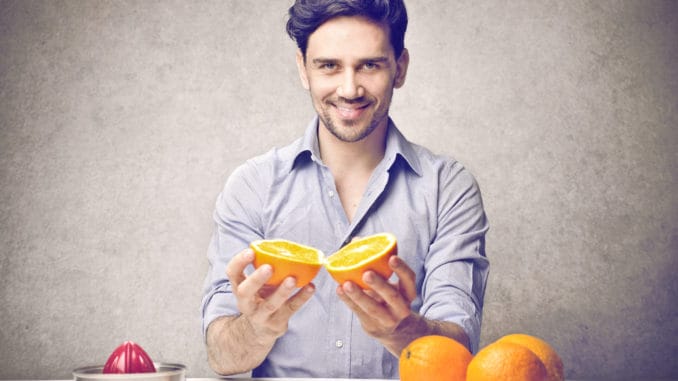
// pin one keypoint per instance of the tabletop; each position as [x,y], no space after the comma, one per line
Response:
[243,378]
[345,379]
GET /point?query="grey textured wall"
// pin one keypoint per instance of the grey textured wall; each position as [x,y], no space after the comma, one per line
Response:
[120,121]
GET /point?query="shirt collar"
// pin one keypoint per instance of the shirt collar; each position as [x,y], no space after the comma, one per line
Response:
[396,146]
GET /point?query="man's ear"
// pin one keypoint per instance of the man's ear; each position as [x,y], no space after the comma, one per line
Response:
[301,67]
[401,68]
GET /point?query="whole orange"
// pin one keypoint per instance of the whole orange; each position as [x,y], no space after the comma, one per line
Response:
[507,362]
[287,258]
[368,253]
[434,358]
[547,355]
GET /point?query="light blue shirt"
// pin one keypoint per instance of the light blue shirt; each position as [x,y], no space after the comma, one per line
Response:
[431,203]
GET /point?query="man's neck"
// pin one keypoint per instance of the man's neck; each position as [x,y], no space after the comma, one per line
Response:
[352,164]
[361,156]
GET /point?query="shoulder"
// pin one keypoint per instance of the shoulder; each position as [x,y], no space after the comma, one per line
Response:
[425,164]
[444,168]
[267,167]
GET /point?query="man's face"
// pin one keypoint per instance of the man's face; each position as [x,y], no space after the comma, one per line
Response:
[350,71]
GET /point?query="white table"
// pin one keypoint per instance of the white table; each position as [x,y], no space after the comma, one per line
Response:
[332,379]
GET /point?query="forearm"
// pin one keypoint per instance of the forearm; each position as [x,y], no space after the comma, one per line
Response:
[416,326]
[233,346]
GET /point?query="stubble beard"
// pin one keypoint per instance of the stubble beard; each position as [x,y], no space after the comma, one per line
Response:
[355,133]
[348,136]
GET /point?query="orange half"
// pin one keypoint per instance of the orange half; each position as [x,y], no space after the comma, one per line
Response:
[287,259]
[368,253]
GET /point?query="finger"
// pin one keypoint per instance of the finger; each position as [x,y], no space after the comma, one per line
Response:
[264,311]
[389,293]
[359,302]
[282,315]
[255,282]
[375,281]
[294,303]
[236,266]
[407,278]
[344,297]
[351,304]
[273,302]
[377,298]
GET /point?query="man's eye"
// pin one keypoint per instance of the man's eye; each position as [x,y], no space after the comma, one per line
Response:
[328,66]
[370,66]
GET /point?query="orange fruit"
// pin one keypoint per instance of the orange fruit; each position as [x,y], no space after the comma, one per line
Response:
[547,355]
[303,262]
[287,258]
[367,253]
[434,358]
[506,361]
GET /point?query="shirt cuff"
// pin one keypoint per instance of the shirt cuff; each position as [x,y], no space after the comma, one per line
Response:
[219,302]
[466,316]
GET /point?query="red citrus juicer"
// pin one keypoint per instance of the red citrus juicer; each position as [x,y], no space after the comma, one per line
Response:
[129,357]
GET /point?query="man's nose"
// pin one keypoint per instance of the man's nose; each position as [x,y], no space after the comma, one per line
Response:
[350,87]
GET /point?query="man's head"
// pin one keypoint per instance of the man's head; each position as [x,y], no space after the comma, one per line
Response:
[305,16]
[349,63]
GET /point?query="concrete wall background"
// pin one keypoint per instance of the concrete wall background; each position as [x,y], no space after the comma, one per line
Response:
[120,121]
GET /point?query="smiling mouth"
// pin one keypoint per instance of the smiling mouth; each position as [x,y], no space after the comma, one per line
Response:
[351,111]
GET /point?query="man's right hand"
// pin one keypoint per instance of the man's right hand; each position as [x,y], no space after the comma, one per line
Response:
[266,308]
[237,344]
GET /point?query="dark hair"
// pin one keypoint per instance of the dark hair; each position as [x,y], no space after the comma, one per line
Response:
[305,16]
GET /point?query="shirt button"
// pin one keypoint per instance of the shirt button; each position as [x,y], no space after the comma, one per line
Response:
[330,193]
[339,343]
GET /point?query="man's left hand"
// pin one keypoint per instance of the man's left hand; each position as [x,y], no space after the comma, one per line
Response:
[384,307]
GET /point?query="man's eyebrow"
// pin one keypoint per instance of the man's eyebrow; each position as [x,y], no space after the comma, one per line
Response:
[324,60]
[375,59]
[378,59]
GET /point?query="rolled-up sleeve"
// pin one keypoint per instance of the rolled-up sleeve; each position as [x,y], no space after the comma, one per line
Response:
[237,223]
[456,266]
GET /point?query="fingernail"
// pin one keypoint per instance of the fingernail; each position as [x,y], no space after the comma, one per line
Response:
[249,255]
[290,282]
[266,269]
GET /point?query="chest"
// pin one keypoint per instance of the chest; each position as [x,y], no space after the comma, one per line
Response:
[350,190]
[314,209]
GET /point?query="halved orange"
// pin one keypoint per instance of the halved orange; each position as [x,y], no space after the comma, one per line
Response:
[368,253]
[288,258]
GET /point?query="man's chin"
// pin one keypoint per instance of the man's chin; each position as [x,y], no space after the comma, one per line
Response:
[351,124]
[350,132]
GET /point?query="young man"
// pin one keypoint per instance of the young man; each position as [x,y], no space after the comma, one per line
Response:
[352,174]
